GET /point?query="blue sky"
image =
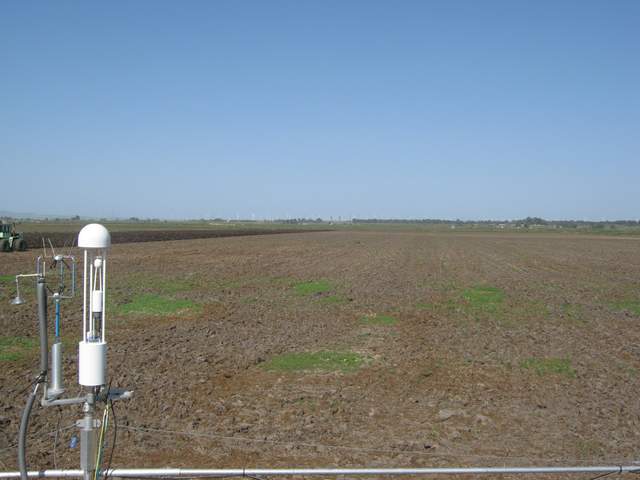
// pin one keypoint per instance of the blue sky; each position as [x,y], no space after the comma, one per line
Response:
[439,109]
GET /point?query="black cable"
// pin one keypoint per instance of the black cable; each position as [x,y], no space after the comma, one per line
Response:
[607,474]
[33,382]
[39,379]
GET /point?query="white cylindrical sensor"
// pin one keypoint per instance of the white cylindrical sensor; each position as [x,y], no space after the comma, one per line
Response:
[96,302]
[92,363]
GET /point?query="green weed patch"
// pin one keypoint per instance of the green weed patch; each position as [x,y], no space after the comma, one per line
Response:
[15,348]
[313,287]
[326,361]
[484,298]
[155,305]
[632,306]
[545,366]
[573,312]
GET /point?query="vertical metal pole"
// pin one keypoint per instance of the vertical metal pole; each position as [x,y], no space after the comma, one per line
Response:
[41,293]
[88,440]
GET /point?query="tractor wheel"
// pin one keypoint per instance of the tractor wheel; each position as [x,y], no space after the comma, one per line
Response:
[4,246]
[17,245]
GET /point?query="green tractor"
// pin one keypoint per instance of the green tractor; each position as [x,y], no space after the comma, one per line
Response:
[10,239]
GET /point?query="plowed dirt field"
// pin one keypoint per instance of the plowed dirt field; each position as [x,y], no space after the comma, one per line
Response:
[351,349]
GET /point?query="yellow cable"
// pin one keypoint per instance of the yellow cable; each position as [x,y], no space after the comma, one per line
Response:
[105,421]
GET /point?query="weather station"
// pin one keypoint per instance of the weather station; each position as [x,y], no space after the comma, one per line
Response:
[95,241]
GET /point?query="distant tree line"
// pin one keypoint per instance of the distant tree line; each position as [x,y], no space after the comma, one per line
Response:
[528,222]
[296,221]
[524,222]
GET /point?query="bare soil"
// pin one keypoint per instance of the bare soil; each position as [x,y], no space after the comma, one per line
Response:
[445,385]
[61,238]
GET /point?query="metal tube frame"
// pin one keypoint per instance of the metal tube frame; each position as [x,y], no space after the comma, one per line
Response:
[24,275]
[288,472]
[72,258]
[91,322]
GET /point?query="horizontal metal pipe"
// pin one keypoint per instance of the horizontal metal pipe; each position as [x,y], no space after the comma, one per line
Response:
[255,472]
[62,401]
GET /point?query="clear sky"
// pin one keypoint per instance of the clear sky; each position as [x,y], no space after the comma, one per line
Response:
[438,109]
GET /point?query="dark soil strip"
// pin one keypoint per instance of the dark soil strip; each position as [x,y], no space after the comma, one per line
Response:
[59,239]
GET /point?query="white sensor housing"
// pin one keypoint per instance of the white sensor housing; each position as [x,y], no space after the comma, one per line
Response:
[92,364]
[96,303]
[94,235]
[92,350]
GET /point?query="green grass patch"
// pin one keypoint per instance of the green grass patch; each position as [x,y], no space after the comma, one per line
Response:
[484,298]
[545,366]
[7,278]
[573,312]
[325,361]
[378,319]
[632,306]
[313,287]
[16,348]
[154,305]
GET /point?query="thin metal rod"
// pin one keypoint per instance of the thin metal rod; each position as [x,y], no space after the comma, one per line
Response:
[25,275]
[91,320]
[57,324]
[104,296]
[287,472]
[73,274]
[84,299]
